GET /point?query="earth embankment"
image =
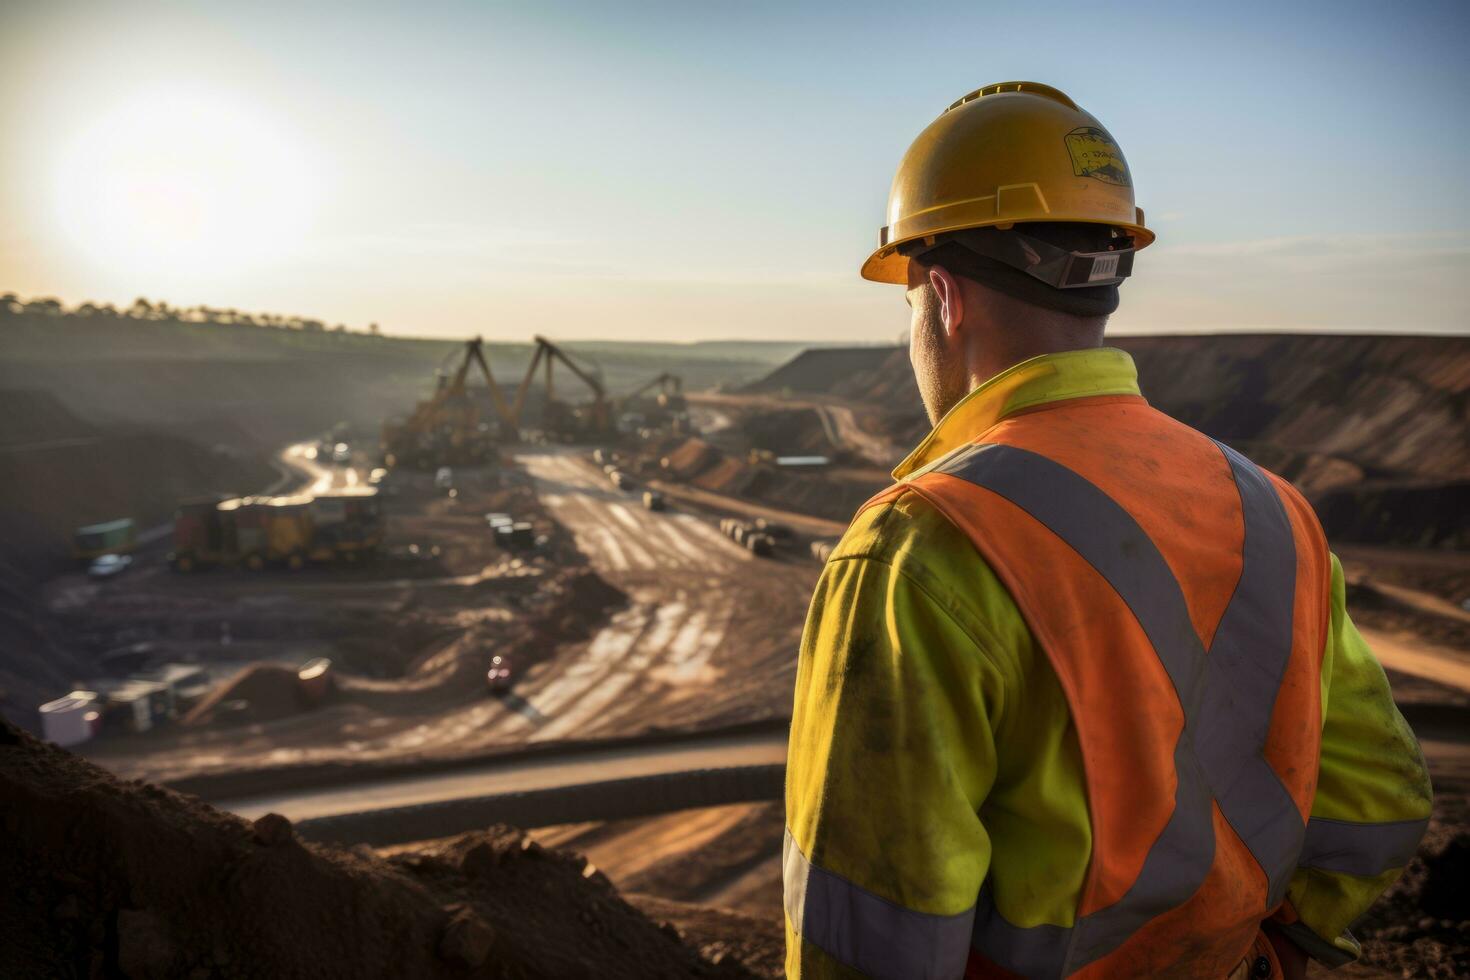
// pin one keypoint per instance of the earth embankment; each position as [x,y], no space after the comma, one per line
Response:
[1375,429]
[128,879]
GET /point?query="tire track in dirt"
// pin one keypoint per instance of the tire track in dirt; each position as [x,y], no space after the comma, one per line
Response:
[670,646]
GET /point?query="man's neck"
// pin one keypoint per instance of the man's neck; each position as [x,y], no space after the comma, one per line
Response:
[992,360]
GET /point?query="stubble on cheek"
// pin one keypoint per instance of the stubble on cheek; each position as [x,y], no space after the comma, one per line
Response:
[930,357]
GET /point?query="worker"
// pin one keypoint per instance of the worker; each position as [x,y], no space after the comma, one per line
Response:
[1078,693]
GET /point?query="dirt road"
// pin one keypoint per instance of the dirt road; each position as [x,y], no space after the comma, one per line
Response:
[709,634]
[518,775]
[1410,654]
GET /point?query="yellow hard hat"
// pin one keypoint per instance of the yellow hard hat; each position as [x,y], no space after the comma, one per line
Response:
[1003,155]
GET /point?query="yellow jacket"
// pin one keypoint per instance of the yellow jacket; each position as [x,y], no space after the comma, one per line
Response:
[917,672]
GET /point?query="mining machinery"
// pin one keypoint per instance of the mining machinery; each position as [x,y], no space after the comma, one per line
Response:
[561,420]
[452,428]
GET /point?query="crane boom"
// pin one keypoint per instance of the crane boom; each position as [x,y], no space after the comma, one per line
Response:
[590,380]
[671,384]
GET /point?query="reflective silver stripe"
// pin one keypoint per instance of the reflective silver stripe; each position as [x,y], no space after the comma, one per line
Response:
[868,933]
[1227,704]
[1364,849]
[1243,672]
[1031,951]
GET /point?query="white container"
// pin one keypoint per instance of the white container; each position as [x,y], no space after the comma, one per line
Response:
[69,721]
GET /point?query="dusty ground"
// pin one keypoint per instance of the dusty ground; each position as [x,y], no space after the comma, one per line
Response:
[411,635]
[707,637]
[624,621]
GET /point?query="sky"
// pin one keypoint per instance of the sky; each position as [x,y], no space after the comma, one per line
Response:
[695,171]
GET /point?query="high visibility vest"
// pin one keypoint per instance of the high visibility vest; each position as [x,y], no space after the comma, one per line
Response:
[1181,594]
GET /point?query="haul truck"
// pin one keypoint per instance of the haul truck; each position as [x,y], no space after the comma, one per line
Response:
[347,524]
[342,525]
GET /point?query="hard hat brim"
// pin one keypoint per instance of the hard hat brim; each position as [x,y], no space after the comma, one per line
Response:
[887,265]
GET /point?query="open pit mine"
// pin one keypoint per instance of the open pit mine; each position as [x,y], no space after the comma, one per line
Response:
[476,659]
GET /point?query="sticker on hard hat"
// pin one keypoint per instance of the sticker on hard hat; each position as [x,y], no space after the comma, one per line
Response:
[1094,154]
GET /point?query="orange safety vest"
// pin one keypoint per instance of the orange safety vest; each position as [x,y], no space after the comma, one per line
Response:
[1180,594]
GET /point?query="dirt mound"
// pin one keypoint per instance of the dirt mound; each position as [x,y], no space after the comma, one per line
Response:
[111,878]
[1420,927]
[689,457]
[759,943]
[260,692]
[790,432]
[821,369]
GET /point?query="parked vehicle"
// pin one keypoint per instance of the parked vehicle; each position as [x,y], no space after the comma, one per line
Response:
[760,543]
[263,530]
[498,677]
[108,538]
[517,536]
[107,566]
[780,532]
[344,525]
[347,524]
[653,500]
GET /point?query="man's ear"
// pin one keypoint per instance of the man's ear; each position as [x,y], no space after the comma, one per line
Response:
[951,300]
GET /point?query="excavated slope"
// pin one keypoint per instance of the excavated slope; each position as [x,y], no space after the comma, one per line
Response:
[1375,429]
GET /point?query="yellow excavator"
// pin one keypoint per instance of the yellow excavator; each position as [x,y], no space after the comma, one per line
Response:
[561,420]
[451,428]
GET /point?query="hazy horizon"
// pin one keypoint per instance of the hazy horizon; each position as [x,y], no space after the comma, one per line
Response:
[800,341]
[670,173]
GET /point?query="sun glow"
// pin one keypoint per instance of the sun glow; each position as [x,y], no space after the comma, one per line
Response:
[168,185]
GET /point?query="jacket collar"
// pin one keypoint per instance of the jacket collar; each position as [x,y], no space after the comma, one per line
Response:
[1044,379]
